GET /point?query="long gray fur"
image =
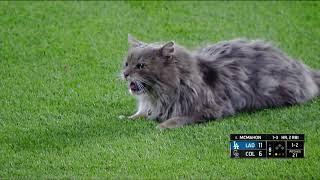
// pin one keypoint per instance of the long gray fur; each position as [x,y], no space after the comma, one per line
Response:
[181,87]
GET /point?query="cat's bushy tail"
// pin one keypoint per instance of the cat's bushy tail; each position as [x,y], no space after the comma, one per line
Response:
[316,78]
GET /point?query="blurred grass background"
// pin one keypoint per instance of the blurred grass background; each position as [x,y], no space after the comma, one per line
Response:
[60,94]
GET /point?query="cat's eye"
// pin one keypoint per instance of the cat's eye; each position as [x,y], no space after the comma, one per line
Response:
[140,66]
[126,64]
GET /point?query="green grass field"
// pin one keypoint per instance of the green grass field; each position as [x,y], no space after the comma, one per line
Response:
[60,94]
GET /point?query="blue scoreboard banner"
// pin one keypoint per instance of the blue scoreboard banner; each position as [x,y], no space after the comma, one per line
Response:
[267,145]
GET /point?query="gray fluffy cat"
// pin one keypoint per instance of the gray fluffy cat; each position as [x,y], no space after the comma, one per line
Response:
[178,87]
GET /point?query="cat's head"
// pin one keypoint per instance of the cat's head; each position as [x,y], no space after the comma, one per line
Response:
[148,67]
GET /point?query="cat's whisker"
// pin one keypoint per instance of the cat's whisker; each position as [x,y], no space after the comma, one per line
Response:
[142,88]
[140,83]
[145,82]
[119,76]
[139,86]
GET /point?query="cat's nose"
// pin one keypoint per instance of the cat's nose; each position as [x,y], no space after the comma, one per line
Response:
[125,74]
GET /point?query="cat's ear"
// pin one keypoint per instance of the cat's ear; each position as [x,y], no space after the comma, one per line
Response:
[167,50]
[133,42]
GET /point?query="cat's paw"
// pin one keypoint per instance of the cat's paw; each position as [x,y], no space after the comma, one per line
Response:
[176,122]
[169,124]
[136,116]
[162,127]
[128,117]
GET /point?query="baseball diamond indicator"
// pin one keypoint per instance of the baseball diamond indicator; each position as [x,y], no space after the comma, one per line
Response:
[267,145]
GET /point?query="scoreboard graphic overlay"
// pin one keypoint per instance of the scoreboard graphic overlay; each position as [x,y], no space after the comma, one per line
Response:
[267,145]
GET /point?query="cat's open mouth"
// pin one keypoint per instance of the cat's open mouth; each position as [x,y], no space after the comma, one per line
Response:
[136,87]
